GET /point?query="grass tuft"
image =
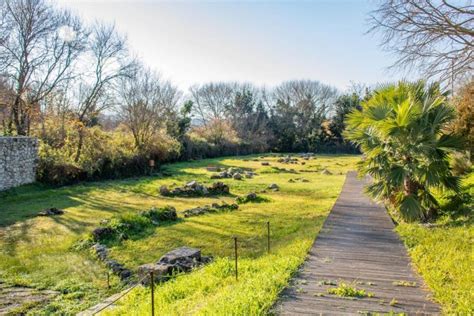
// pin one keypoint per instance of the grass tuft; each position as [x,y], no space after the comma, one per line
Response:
[347,290]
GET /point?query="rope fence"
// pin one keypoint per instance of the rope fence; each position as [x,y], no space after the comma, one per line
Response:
[237,242]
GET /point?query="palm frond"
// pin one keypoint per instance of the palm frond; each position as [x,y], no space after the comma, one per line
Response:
[410,208]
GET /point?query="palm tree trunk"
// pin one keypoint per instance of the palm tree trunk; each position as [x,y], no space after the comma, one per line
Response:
[410,187]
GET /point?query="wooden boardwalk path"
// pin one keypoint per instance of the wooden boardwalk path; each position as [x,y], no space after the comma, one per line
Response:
[358,246]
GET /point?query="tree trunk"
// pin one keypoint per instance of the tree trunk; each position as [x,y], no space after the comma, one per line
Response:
[79,144]
[410,187]
[18,117]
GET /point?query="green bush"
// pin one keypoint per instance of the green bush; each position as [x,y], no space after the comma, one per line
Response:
[131,225]
[461,163]
[167,213]
[104,155]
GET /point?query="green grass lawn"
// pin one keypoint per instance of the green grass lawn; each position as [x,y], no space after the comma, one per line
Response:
[39,251]
[444,256]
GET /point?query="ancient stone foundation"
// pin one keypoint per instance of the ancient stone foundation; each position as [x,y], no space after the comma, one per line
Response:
[18,159]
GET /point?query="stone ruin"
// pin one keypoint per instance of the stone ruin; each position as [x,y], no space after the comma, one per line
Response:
[117,268]
[274,187]
[194,188]
[234,173]
[284,170]
[326,172]
[51,212]
[293,160]
[298,180]
[308,156]
[213,208]
[250,197]
[288,159]
[182,259]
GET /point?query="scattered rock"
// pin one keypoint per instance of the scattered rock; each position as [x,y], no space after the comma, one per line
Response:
[182,259]
[218,188]
[265,163]
[235,173]
[274,187]
[298,180]
[51,212]
[251,197]
[213,169]
[237,176]
[288,159]
[194,188]
[164,190]
[210,209]
[326,172]
[249,174]
[307,156]
[101,233]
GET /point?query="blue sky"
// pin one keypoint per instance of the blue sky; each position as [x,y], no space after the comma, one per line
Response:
[264,42]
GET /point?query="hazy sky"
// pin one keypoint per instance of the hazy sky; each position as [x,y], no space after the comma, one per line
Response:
[264,42]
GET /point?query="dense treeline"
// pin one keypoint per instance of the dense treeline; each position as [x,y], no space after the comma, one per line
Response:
[100,113]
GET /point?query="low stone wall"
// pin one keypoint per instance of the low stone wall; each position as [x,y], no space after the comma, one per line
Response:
[18,159]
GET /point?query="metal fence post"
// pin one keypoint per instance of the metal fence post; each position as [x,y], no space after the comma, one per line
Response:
[152,284]
[268,236]
[236,258]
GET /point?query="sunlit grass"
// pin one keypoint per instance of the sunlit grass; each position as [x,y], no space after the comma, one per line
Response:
[444,255]
[39,252]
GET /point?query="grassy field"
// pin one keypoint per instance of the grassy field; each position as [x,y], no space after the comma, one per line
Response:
[444,255]
[39,251]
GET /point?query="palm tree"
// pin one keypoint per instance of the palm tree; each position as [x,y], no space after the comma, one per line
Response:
[401,131]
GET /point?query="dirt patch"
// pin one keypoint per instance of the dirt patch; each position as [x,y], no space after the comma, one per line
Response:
[17,299]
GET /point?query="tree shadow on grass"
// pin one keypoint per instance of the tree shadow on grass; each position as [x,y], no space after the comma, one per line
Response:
[213,234]
[24,202]
[19,211]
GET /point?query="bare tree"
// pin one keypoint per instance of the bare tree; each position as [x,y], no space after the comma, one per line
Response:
[146,103]
[212,100]
[38,47]
[108,59]
[298,110]
[248,115]
[312,97]
[436,37]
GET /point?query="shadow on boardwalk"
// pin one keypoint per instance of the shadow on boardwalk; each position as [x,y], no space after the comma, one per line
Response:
[357,246]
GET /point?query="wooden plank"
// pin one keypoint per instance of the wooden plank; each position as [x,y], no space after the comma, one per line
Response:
[356,245]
